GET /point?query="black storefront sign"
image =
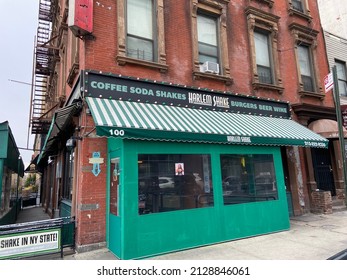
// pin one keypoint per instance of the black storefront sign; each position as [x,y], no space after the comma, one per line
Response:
[138,90]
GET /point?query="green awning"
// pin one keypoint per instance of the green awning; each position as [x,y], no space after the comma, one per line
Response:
[132,120]
[60,121]
[9,152]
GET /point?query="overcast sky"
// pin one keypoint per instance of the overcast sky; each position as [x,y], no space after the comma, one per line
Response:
[18,25]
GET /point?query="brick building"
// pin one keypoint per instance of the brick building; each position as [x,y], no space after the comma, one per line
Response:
[172,124]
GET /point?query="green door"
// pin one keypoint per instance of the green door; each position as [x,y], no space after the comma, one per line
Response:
[114,194]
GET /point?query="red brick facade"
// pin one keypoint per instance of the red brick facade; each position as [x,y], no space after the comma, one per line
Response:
[99,52]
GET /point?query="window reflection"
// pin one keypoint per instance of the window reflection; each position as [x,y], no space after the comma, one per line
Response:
[174,182]
[248,178]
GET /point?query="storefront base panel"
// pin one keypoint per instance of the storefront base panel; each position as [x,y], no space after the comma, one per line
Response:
[142,235]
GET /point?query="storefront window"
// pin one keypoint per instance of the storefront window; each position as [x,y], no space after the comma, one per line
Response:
[248,178]
[174,182]
[69,173]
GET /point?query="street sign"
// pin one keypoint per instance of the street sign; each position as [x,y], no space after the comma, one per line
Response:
[328,82]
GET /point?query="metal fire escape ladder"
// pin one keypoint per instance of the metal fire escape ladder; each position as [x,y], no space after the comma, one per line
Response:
[44,64]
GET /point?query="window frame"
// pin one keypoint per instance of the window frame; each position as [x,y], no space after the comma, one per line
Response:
[152,41]
[306,36]
[305,13]
[247,186]
[310,62]
[215,19]
[343,65]
[217,9]
[263,22]
[270,57]
[159,61]
[163,188]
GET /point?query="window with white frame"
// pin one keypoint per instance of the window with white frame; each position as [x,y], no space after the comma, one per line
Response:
[305,65]
[342,77]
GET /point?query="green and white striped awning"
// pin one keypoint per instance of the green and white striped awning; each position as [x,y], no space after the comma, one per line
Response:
[132,120]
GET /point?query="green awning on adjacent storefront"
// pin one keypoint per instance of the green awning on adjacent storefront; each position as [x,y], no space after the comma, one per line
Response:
[60,120]
[132,120]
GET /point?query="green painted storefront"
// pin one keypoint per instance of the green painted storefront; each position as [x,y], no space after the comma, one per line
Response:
[189,167]
[130,235]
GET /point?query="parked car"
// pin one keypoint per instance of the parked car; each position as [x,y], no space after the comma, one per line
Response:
[166,182]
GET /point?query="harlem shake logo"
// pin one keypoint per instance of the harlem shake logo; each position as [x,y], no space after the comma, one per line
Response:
[208,100]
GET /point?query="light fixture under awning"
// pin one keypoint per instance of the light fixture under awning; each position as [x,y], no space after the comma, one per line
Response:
[132,120]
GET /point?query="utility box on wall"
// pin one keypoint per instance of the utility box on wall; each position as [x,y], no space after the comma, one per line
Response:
[80,19]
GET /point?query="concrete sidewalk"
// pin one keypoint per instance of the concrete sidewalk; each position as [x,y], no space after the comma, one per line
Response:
[311,237]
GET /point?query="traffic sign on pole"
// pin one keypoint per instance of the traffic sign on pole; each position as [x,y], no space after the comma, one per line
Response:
[328,82]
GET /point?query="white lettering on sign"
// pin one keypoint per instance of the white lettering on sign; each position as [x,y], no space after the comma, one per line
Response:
[239,139]
[116,132]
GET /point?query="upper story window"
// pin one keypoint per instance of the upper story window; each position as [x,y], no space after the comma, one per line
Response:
[263,30]
[209,38]
[263,57]
[305,39]
[299,8]
[297,5]
[141,33]
[342,77]
[140,36]
[305,65]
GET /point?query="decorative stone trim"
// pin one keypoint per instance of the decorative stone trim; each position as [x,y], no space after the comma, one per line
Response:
[219,8]
[260,20]
[160,37]
[294,12]
[308,37]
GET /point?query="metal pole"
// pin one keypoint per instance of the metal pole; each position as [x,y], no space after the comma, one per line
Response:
[19,159]
[340,126]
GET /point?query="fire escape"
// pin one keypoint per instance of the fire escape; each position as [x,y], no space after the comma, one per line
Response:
[45,57]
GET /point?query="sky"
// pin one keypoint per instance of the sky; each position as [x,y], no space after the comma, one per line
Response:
[18,25]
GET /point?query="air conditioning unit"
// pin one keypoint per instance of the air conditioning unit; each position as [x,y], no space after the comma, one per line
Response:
[210,67]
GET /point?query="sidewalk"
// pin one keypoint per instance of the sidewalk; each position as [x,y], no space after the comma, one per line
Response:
[311,237]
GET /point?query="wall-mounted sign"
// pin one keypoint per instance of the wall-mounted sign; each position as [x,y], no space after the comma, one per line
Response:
[25,243]
[96,160]
[119,88]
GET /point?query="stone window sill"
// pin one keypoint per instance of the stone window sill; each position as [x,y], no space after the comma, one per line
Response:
[268,87]
[201,76]
[122,60]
